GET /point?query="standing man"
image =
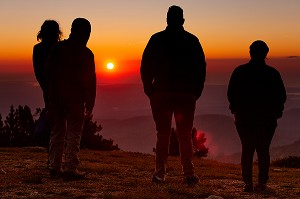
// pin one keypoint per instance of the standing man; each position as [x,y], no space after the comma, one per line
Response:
[72,91]
[173,71]
[256,95]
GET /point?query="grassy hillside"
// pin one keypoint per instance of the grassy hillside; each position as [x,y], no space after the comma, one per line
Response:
[121,174]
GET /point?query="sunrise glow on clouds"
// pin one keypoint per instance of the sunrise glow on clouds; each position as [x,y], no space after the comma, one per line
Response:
[121,29]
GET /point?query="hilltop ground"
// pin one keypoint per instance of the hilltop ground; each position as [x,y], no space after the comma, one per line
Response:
[119,174]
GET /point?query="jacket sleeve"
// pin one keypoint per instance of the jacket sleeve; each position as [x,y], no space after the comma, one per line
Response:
[39,67]
[90,84]
[147,69]
[231,92]
[201,70]
[280,96]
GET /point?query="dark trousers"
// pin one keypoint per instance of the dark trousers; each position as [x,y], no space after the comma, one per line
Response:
[256,135]
[67,125]
[182,105]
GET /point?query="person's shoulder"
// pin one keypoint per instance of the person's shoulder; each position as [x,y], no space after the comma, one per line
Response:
[39,46]
[158,34]
[241,68]
[88,52]
[190,35]
[271,69]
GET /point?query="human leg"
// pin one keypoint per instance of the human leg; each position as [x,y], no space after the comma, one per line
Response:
[75,120]
[184,117]
[58,134]
[162,114]
[266,132]
[248,148]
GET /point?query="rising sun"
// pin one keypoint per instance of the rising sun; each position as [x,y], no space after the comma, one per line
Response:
[110,66]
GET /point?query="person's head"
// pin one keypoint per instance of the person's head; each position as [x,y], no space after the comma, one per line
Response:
[50,32]
[175,16]
[259,50]
[81,30]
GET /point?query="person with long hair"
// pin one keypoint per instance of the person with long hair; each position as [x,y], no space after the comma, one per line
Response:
[49,35]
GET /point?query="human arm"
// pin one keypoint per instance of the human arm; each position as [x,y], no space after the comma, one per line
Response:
[201,70]
[90,85]
[280,95]
[147,69]
[231,92]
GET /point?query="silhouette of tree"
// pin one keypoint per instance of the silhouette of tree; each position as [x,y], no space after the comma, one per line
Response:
[91,139]
[19,126]
[200,150]
[4,136]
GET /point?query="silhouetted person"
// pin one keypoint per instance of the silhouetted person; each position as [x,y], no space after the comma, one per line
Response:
[48,36]
[257,95]
[173,71]
[72,90]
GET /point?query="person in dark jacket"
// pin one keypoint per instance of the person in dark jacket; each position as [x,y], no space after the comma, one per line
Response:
[49,36]
[70,70]
[256,94]
[173,71]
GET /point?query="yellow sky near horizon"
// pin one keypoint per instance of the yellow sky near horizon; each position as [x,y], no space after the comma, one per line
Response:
[121,28]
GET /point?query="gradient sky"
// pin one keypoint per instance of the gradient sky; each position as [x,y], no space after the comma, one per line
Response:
[122,28]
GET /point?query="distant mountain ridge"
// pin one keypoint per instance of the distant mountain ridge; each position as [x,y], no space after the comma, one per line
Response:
[275,153]
[138,134]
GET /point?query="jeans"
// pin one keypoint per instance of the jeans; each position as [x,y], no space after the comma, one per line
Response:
[66,129]
[182,105]
[256,135]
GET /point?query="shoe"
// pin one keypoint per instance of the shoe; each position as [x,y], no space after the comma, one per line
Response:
[157,180]
[260,187]
[56,174]
[191,180]
[248,187]
[74,175]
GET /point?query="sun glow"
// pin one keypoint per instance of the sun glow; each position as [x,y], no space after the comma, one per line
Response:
[110,66]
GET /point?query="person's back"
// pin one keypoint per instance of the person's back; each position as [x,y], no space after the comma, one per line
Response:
[258,91]
[71,67]
[173,72]
[72,91]
[177,56]
[256,95]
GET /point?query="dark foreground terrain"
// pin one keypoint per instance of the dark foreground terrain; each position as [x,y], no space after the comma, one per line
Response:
[118,174]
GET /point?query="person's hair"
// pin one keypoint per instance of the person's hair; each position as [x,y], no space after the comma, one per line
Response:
[81,26]
[175,16]
[259,50]
[81,29]
[50,31]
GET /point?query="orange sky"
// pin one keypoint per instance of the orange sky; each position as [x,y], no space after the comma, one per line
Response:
[121,29]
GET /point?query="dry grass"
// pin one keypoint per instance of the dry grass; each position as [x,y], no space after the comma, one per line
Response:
[121,174]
